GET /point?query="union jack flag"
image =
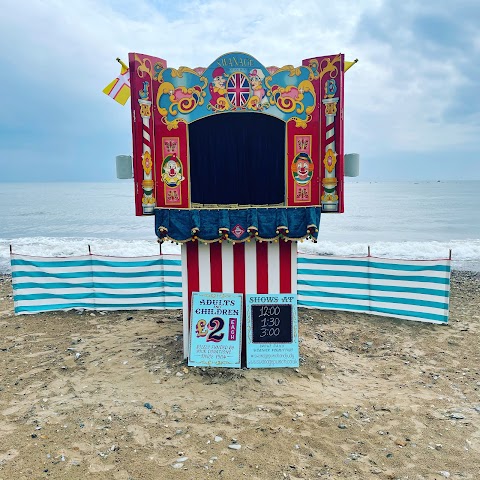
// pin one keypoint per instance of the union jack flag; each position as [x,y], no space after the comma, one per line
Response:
[238,89]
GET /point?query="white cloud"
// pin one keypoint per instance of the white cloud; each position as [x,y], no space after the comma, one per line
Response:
[61,54]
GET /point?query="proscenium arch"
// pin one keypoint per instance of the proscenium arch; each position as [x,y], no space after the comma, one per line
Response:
[237,158]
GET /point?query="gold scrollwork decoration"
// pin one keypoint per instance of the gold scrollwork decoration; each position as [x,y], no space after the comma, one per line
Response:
[290,98]
[327,65]
[287,98]
[184,100]
[172,124]
[164,88]
[307,86]
[222,105]
[178,73]
[300,122]
[145,67]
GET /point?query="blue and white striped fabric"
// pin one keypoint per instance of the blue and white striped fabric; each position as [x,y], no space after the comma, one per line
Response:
[93,282]
[409,289]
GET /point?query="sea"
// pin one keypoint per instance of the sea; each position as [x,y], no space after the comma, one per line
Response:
[406,220]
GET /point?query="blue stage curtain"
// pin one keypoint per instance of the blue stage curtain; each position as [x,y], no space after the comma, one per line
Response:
[237,158]
[208,225]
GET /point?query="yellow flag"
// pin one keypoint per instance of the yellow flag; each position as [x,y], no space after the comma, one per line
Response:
[119,89]
[347,65]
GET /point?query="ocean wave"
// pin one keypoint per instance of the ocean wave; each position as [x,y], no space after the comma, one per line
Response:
[465,253]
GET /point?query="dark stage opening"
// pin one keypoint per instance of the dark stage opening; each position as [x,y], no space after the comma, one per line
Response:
[237,158]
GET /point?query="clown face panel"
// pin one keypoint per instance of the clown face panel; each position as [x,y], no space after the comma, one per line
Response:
[302,168]
[172,171]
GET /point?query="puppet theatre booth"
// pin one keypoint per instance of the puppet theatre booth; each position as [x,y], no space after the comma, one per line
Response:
[237,162]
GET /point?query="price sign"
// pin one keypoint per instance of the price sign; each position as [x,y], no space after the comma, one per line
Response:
[216,330]
[272,331]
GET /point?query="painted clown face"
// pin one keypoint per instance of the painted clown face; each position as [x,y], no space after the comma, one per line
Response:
[303,169]
[172,169]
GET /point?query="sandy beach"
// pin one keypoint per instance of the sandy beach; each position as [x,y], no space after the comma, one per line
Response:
[109,396]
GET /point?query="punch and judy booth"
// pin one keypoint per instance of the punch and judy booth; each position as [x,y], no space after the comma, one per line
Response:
[237,162]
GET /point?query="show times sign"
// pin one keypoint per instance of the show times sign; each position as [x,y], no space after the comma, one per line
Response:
[272,330]
[216,330]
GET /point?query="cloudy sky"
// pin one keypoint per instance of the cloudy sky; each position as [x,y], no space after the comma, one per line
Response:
[412,106]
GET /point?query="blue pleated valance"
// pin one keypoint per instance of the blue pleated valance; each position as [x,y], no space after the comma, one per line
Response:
[237,225]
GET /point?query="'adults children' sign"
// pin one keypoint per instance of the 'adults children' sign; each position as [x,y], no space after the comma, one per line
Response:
[216,330]
[272,330]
